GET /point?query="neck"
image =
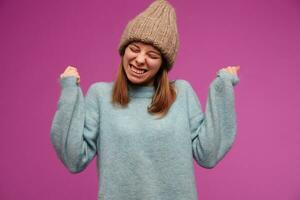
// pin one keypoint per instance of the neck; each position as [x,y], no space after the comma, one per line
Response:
[146,91]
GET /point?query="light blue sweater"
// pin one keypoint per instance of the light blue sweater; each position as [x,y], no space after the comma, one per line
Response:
[141,157]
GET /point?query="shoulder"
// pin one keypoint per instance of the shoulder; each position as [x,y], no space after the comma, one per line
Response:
[101,88]
[182,85]
[102,84]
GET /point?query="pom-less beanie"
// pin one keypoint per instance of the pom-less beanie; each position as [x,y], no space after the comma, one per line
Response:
[156,26]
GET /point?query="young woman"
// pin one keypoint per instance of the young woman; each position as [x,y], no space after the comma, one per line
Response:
[145,129]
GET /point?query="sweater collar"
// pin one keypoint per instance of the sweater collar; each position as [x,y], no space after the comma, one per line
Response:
[141,91]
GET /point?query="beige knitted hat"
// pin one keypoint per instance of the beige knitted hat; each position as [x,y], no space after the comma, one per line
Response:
[157,26]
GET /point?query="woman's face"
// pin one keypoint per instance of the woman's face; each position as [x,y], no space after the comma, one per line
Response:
[141,62]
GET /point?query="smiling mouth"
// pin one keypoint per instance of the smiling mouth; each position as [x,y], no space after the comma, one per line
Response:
[136,70]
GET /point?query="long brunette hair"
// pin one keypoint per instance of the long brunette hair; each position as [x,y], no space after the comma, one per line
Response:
[165,93]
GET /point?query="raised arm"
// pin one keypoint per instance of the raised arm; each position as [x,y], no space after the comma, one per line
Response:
[213,132]
[75,125]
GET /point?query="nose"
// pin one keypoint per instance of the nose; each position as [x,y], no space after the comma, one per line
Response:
[140,59]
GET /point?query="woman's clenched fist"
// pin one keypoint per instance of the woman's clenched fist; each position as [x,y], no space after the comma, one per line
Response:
[71,71]
[232,69]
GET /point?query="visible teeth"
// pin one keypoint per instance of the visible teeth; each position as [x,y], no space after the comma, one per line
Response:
[138,71]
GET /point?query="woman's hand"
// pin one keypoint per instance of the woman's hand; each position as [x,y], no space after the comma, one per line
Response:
[232,69]
[71,71]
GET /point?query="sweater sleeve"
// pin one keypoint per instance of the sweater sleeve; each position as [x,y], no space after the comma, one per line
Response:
[213,132]
[74,128]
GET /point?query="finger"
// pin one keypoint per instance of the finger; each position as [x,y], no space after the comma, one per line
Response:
[229,69]
[232,70]
[68,70]
[72,72]
[71,68]
[236,69]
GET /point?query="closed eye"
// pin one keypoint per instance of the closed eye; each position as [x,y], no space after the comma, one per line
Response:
[154,56]
[134,49]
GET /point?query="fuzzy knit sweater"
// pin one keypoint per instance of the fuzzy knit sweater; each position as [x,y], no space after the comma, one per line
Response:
[140,157]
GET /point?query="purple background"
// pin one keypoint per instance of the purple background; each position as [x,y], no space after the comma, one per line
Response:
[38,39]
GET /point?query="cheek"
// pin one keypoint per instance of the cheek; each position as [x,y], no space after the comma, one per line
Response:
[126,59]
[128,55]
[154,64]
